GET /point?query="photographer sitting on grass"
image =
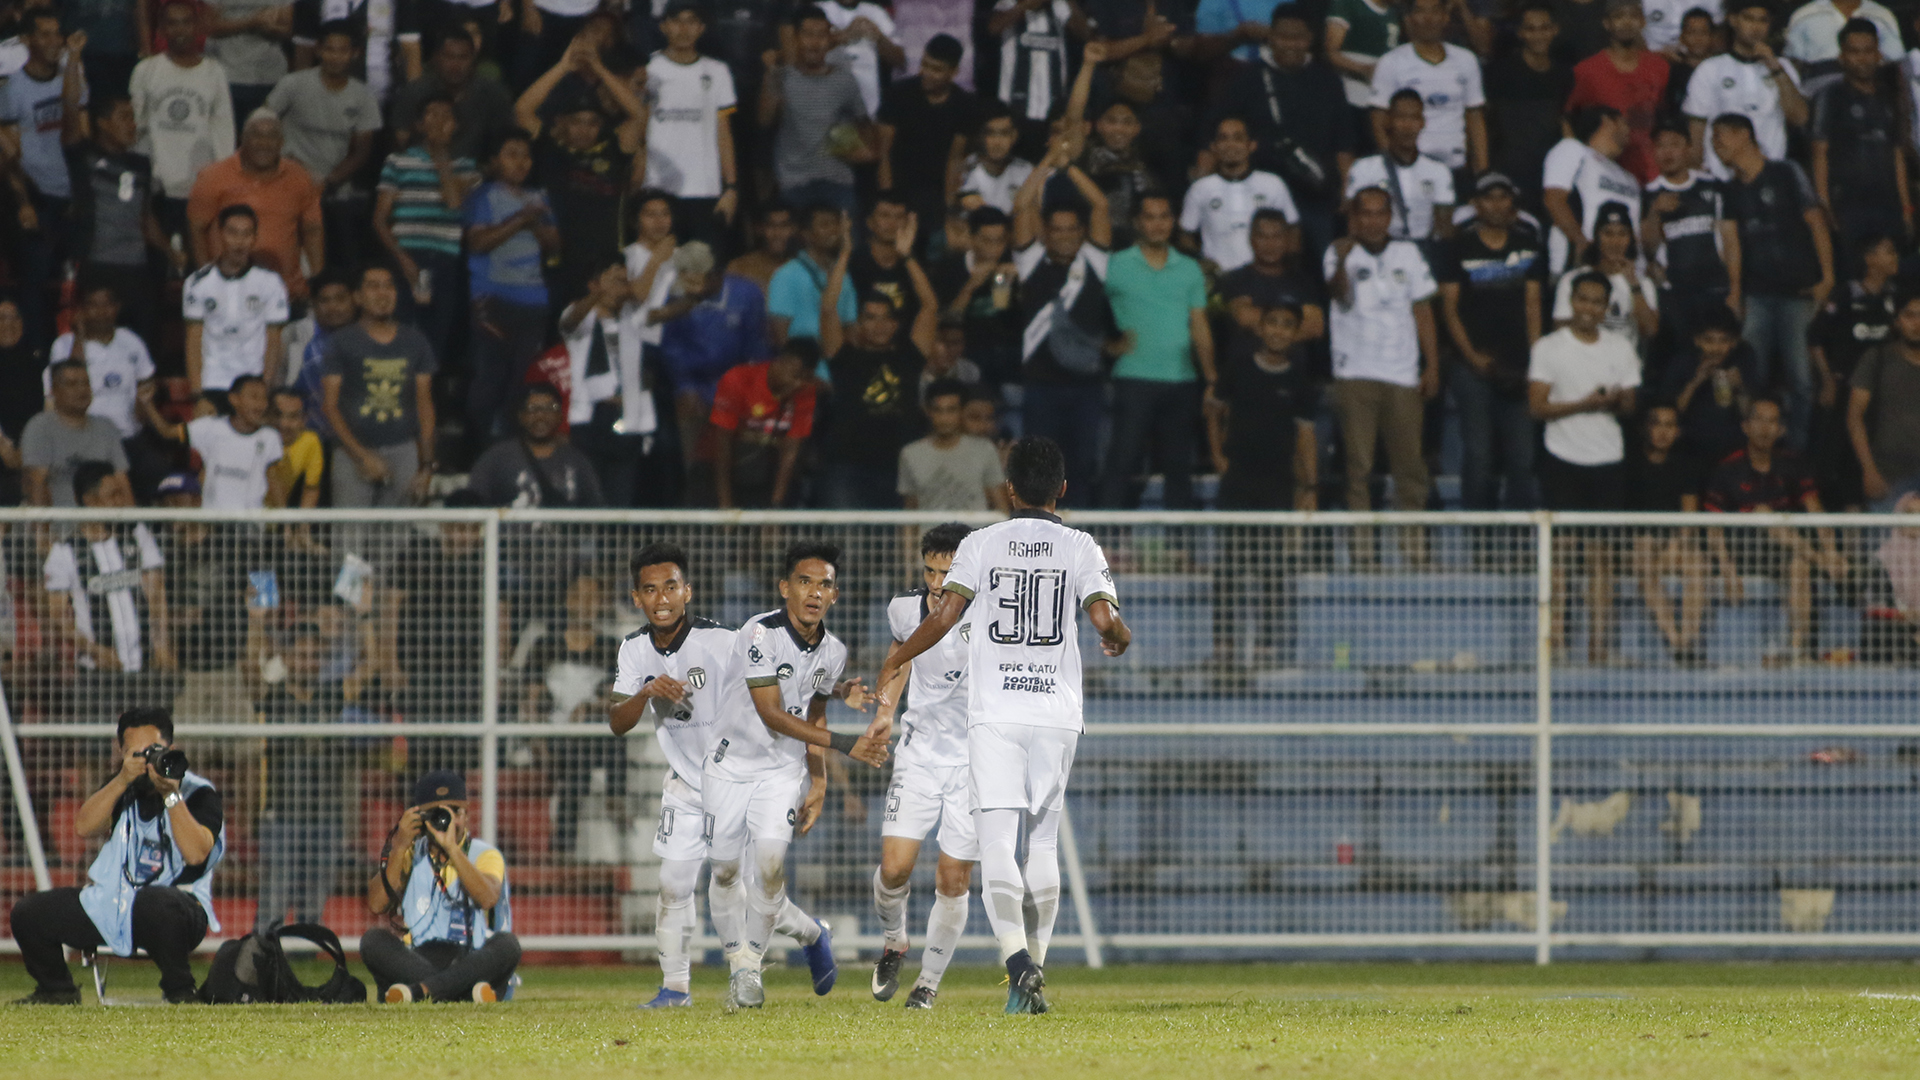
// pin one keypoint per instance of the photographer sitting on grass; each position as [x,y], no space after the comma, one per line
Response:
[151,886]
[445,893]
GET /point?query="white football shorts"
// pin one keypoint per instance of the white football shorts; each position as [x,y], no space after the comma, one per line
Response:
[1020,766]
[764,808]
[684,827]
[923,796]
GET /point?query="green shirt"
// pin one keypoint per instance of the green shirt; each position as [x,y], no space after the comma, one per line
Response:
[1156,305]
[1371,30]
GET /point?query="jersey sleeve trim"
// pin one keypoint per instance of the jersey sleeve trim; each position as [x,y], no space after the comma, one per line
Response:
[763,680]
[961,589]
[1089,601]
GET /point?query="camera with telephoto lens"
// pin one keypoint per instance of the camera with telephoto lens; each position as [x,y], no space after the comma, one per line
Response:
[439,819]
[166,761]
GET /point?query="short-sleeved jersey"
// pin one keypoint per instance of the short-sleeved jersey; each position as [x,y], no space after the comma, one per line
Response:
[234,314]
[1028,578]
[935,708]
[771,653]
[701,655]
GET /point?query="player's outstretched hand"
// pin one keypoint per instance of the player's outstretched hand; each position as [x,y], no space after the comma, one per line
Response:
[665,686]
[870,750]
[854,692]
[881,729]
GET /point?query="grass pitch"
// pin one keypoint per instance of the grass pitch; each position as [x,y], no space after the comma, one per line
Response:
[1433,1022]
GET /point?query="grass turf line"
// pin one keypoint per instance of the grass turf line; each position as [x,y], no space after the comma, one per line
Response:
[1430,1021]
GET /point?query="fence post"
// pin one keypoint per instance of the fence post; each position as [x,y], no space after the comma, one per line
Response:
[22,799]
[1543,740]
[490,685]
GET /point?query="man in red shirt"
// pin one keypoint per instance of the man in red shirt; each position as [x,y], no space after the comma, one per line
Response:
[762,413]
[1629,77]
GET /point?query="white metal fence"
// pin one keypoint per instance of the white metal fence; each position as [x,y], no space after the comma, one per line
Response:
[1493,731]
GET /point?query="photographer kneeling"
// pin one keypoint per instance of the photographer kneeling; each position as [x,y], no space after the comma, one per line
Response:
[151,886]
[448,891]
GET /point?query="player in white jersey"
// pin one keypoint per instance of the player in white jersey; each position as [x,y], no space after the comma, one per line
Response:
[766,768]
[931,785]
[1031,576]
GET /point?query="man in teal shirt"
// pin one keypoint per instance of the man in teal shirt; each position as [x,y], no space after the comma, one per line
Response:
[1159,301]
[793,296]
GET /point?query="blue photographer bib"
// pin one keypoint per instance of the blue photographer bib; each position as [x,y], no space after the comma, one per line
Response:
[138,854]
[436,906]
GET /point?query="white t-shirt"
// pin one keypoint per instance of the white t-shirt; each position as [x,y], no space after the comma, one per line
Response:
[861,58]
[772,654]
[1424,185]
[704,658]
[1664,18]
[1813,33]
[996,191]
[934,725]
[1728,84]
[1450,88]
[1619,302]
[103,590]
[1591,180]
[116,370]
[1574,369]
[185,118]
[683,135]
[1028,578]
[638,255]
[1374,336]
[233,466]
[234,314]
[1221,211]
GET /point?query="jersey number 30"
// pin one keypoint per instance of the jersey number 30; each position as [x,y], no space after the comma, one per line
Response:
[1033,606]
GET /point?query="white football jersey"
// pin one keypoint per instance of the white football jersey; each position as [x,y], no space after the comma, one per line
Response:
[233,314]
[772,654]
[703,657]
[934,713]
[1028,578]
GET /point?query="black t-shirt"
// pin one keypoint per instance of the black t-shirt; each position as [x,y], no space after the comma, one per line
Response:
[1737,487]
[1853,321]
[1776,246]
[1692,253]
[1657,487]
[876,403]
[865,274]
[923,135]
[993,334]
[1493,295]
[111,193]
[1710,426]
[1280,104]
[205,805]
[1267,405]
[1091,312]
[1268,290]
[309,777]
[1860,133]
[586,189]
[1583,30]
[1524,108]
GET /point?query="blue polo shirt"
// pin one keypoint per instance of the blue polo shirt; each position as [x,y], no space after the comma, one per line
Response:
[1155,305]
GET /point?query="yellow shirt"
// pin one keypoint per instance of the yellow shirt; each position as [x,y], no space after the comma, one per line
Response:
[300,466]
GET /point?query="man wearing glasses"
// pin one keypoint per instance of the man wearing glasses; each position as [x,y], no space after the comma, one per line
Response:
[534,467]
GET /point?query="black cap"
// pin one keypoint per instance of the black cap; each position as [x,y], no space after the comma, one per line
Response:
[1613,213]
[945,48]
[438,786]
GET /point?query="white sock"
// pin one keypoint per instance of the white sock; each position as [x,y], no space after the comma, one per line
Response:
[766,895]
[1001,886]
[727,904]
[1043,882]
[891,906]
[675,922]
[945,923]
[795,923]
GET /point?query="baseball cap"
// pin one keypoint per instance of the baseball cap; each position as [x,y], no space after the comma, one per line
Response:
[1491,179]
[439,785]
[179,484]
[1613,213]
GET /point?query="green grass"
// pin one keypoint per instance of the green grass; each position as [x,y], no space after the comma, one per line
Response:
[1431,1021]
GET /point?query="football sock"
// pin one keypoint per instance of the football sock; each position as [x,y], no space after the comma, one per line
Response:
[1001,887]
[795,923]
[675,921]
[765,897]
[945,923]
[891,906]
[727,903]
[1043,881]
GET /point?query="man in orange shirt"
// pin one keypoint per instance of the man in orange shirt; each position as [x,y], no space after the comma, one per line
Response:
[284,199]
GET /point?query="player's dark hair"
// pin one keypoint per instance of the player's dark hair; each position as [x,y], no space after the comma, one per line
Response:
[339,28]
[360,275]
[1233,118]
[1673,125]
[89,475]
[943,539]
[812,211]
[947,388]
[332,275]
[92,281]
[1717,317]
[103,105]
[1151,195]
[810,549]
[237,210]
[1541,6]
[534,390]
[640,200]
[435,99]
[33,18]
[152,716]
[891,197]
[873,296]
[69,364]
[1407,95]
[1697,13]
[511,135]
[804,349]
[655,554]
[772,207]
[807,13]
[1287,306]
[1036,468]
[1587,120]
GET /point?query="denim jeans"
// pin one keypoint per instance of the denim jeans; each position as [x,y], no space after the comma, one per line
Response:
[296,869]
[1149,414]
[1776,327]
[1071,416]
[1496,443]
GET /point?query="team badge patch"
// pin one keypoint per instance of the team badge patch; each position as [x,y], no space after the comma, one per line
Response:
[819,680]
[966,632]
[697,677]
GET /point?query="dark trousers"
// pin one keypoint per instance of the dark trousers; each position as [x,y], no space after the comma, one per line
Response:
[442,318]
[1496,442]
[506,337]
[37,264]
[1150,415]
[448,971]
[168,923]
[695,219]
[1070,416]
[617,459]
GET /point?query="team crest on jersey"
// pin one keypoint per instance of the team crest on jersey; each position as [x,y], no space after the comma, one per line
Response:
[211,304]
[1214,204]
[697,677]
[706,82]
[783,672]
[253,305]
[1399,276]
[1656,15]
[820,680]
[966,632]
[1726,83]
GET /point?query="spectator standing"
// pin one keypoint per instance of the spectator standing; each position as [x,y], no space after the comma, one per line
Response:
[1627,76]
[977,286]
[1662,478]
[1815,37]
[1358,33]
[1883,412]
[1219,207]
[611,414]
[1692,247]
[690,151]
[948,469]
[1583,174]
[1260,426]
[235,312]
[22,395]
[108,595]
[390,32]
[1166,368]
[247,38]
[115,229]
[793,297]
[1580,381]
[762,415]
[310,789]
[1711,386]
[117,361]
[237,451]
[536,469]
[864,37]
[1749,81]
[379,402]
[819,118]
[773,233]
[1492,275]
[482,106]
[333,309]
[1419,186]
[1386,357]
[1633,305]
[330,119]
[1035,60]
[283,199]
[1447,78]
[1856,319]
[924,123]
[880,264]
[55,444]
[185,113]
[1786,261]
[1858,168]
[1583,28]
[40,117]
[418,217]
[992,176]
[1269,281]
[1666,33]
[724,326]
[510,234]
[1527,89]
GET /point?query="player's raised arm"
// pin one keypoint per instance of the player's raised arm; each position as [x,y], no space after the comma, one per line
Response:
[766,702]
[938,621]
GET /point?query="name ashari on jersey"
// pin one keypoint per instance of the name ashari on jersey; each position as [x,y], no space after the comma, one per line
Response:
[1028,579]
[701,655]
[772,653]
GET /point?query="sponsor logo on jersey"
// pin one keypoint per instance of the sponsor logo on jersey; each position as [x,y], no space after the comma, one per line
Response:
[755,655]
[783,672]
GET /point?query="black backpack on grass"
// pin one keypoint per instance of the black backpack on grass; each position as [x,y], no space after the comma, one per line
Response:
[254,970]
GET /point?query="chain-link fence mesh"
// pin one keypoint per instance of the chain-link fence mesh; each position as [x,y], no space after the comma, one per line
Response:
[1325,729]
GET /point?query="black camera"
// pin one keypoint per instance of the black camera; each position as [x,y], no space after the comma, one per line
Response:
[438,818]
[166,761]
